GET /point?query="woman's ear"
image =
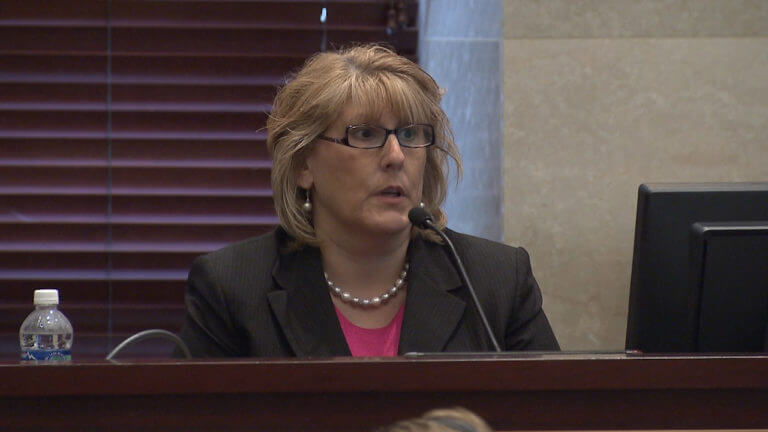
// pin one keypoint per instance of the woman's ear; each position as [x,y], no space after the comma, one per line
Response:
[304,177]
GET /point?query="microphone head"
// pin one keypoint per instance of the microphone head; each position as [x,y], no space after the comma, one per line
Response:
[419,217]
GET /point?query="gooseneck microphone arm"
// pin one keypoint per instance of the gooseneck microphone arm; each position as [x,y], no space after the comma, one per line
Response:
[422,219]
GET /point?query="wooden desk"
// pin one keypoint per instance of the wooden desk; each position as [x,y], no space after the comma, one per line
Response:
[601,391]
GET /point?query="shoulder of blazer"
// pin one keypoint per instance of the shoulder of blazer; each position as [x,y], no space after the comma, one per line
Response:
[472,247]
[263,243]
[243,260]
[492,264]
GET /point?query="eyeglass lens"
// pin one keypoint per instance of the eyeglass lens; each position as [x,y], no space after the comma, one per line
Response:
[372,136]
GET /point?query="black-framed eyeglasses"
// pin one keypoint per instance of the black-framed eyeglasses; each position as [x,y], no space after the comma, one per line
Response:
[368,137]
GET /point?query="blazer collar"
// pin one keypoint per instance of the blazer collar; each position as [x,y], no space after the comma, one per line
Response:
[302,304]
[432,313]
[308,319]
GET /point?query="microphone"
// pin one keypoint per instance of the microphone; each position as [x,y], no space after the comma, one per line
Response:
[422,219]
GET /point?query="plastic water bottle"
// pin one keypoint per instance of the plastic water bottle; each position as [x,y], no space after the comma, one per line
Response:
[46,334]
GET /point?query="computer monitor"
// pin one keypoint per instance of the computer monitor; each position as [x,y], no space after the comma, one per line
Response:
[729,284]
[698,281]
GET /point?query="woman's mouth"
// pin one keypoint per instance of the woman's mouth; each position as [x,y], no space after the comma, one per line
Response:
[392,192]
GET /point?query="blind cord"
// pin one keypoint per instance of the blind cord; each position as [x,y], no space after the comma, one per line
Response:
[110,294]
[324,24]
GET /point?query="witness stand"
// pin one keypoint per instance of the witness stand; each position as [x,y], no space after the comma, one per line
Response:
[511,391]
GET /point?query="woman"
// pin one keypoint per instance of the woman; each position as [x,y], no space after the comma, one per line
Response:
[357,139]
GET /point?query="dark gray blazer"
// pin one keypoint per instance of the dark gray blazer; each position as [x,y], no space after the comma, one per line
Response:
[254,299]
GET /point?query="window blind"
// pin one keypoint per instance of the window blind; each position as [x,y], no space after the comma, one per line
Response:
[131,141]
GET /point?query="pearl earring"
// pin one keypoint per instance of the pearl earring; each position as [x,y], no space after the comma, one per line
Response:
[421,204]
[307,206]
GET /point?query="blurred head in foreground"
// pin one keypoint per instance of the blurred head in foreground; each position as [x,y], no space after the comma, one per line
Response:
[441,420]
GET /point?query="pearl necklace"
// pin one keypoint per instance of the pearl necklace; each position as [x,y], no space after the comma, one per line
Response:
[379,300]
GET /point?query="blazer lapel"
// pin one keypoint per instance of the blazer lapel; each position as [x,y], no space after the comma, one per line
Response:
[303,307]
[431,312]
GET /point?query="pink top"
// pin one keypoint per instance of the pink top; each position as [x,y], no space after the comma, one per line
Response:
[378,342]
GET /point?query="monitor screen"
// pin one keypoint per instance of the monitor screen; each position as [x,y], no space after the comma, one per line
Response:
[729,286]
[667,306]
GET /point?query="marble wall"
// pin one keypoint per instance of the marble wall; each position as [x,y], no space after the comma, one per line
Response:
[601,96]
[460,46]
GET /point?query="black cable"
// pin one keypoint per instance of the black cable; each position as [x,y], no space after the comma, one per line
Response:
[151,334]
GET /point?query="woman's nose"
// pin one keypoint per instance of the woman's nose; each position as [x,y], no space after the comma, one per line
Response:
[393,152]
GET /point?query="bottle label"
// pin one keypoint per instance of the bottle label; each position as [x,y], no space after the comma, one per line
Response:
[46,355]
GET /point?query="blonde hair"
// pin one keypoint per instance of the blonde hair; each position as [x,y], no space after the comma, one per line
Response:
[441,420]
[371,77]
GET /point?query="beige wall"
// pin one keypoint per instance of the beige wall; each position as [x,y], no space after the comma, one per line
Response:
[602,95]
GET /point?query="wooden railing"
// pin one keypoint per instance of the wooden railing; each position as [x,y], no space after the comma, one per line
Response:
[512,392]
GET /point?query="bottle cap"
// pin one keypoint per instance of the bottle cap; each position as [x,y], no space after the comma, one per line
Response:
[46,297]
